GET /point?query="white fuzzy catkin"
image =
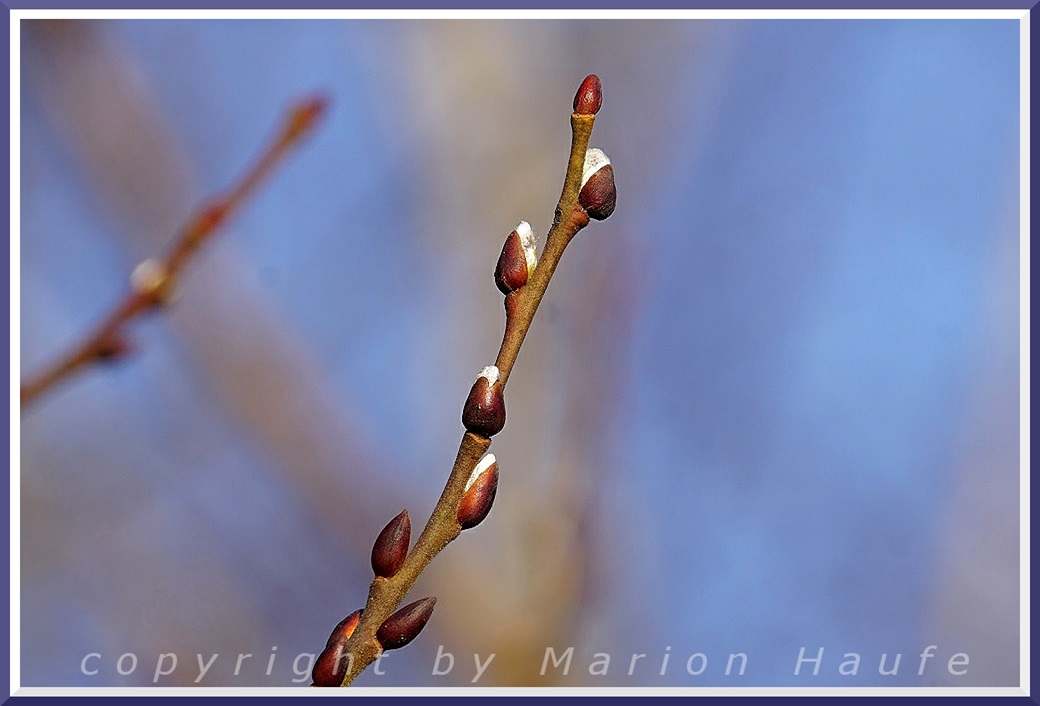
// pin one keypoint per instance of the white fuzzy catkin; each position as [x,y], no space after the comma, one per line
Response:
[527,240]
[595,160]
[491,373]
[485,463]
[151,277]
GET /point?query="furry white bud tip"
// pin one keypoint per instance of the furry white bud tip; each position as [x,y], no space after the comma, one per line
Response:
[151,278]
[595,160]
[527,240]
[525,232]
[485,463]
[491,373]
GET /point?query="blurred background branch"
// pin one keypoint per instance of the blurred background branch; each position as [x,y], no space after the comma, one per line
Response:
[154,281]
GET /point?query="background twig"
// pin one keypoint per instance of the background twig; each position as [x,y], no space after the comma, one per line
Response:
[158,278]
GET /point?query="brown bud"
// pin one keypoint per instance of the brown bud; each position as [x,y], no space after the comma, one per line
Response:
[480,493]
[391,546]
[332,665]
[518,259]
[405,625]
[485,410]
[598,193]
[589,98]
[114,346]
[344,629]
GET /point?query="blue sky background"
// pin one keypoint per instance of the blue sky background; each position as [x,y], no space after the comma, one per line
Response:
[771,403]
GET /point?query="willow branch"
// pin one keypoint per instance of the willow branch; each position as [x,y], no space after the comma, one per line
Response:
[155,280]
[363,646]
[570,218]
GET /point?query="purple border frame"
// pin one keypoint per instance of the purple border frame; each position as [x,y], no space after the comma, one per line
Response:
[8,5]
[539,5]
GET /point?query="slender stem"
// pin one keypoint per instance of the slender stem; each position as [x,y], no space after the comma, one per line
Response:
[301,118]
[385,594]
[521,312]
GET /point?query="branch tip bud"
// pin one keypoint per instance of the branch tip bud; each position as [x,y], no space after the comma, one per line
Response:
[589,98]
[304,115]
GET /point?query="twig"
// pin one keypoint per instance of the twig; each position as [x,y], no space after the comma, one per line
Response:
[356,643]
[154,280]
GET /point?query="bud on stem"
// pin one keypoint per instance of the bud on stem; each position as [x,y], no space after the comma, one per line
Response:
[405,625]
[391,546]
[151,279]
[485,410]
[479,494]
[344,629]
[332,665]
[518,259]
[334,661]
[598,193]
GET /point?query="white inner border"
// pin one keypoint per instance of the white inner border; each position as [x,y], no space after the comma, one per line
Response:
[18,15]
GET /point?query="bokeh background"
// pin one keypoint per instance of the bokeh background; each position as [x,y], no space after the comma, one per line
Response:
[771,403]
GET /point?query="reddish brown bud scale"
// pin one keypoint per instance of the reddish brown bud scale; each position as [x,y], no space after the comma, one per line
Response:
[391,546]
[485,410]
[344,629]
[405,625]
[334,661]
[518,259]
[598,194]
[480,493]
[332,665]
[511,270]
[589,98]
